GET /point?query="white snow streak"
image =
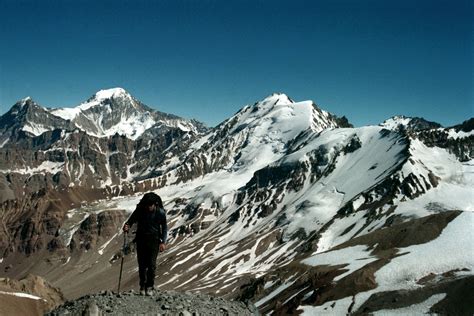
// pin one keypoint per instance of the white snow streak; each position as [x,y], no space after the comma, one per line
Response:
[20,294]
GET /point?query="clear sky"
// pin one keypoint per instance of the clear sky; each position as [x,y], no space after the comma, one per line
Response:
[203,59]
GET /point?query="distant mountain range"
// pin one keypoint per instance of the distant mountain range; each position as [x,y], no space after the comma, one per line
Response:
[283,204]
[106,113]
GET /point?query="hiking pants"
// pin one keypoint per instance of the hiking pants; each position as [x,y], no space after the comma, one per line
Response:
[147,251]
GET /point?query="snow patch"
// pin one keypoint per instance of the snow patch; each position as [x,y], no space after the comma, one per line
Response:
[274,293]
[4,142]
[453,249]
[353,257]
[35,129]
[45,166]
[461,134]
[339,307]
[102,248]
[20,294]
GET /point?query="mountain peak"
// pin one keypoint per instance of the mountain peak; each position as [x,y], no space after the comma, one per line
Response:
[102,97]
[277,98]
[412,123]
[25,104]
[25,101]
[396,121]
[111,93]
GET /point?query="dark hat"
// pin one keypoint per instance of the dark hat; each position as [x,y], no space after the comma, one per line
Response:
[151,198]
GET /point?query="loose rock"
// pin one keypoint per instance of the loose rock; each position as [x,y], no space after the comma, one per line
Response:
[163,303]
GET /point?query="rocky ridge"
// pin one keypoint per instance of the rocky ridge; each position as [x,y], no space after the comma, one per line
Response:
[161,303]
[28,296]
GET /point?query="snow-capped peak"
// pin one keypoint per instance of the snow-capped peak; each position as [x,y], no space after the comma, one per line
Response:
[395,121]
[21,103]
[411,123]
[111,93]
[277,99]
[283,117]
[25,100]
[108,94]
[112,111]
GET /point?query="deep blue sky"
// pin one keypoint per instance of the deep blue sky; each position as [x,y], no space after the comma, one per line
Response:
[367,60]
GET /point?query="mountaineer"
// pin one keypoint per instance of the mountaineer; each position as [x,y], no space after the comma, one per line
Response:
[150,238]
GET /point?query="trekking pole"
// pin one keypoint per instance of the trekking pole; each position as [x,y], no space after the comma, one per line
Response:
[123,256]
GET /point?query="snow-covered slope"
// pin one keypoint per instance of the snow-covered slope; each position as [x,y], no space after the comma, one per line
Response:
[254,137]
[297,193]
[279,198]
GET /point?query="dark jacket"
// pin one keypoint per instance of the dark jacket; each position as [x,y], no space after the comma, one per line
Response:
[149,224]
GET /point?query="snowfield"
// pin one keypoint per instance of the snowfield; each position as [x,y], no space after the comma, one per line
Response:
[453,250]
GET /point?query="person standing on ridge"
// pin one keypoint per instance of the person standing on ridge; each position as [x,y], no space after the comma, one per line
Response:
[151,236]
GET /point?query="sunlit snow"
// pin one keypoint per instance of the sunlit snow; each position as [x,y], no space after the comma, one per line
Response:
[20,294]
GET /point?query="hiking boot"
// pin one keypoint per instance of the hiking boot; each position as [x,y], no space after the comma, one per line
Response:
[142,291]
[149,291]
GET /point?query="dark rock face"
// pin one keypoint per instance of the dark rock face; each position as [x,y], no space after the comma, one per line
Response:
[462,147]
[57,160]
[152,152]
[32,224]
[27,118]
[161,303]
[97,228]
[353,145]
[465,126]
[418,123]
[342,122]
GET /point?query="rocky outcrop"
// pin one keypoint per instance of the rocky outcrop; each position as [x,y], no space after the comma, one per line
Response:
[97,229]
[32,224]
[462,147]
